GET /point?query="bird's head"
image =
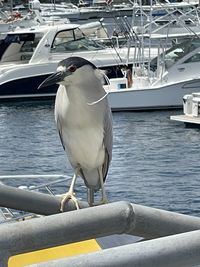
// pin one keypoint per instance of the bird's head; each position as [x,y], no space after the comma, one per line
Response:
[67,69]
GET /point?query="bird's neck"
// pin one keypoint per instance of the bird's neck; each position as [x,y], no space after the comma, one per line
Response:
[76,96]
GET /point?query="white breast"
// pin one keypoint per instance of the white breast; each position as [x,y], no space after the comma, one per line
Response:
[82,131]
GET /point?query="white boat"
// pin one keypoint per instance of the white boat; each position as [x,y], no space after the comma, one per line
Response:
[105,11]
[28,56]
[30,19]
[178,22]
[163,83]
[67,10]
[108,9]
[9,22]
[191,110]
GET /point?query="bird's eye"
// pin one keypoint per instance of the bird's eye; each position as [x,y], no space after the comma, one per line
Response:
[72,68]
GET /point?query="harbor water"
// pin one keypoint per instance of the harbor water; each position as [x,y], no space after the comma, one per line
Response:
[156,162]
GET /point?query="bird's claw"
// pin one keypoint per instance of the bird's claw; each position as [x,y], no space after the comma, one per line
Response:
[101,202]
[66,197]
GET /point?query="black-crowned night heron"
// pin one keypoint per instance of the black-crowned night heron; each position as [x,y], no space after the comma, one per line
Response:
[84,123]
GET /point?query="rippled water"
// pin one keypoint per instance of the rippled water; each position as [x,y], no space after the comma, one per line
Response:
[156,162]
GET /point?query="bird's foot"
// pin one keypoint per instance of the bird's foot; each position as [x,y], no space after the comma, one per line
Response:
[102,202]
[66,197]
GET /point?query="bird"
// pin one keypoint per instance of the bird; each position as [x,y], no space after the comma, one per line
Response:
[84,122]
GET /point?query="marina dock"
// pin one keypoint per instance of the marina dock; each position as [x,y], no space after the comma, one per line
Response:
[186,119]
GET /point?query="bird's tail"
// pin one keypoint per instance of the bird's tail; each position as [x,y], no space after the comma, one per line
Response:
[91,179]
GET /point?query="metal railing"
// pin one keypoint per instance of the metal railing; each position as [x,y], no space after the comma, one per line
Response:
[175,238]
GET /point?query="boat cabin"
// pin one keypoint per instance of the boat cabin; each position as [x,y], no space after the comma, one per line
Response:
[74,40]
[23,46]
[187,50]
[18,46]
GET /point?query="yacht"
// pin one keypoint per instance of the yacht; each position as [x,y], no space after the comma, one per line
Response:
[28,56]
[10,22]
[162,83]
[105,11]
[67,10]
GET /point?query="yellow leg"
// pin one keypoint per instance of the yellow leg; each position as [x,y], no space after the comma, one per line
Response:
[90,197]
[90,192]
[70,194]
[104,199]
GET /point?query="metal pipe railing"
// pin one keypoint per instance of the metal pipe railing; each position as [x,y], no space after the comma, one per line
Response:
[83,224]
[65,228]
[148,222]
[153,223]
[114,218]
[34,202]
[172,251]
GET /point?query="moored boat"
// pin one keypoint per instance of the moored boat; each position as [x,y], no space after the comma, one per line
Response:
[161,84]
[28,56]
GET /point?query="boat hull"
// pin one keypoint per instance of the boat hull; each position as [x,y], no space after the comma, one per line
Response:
[26,88]
[86,14]
[164,97]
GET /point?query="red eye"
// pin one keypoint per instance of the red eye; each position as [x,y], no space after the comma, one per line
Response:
[72,68]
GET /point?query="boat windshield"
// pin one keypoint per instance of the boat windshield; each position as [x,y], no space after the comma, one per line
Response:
[176,52]
[18,46]
[74,40]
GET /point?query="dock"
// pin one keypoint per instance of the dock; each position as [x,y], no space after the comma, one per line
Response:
[187,119]
[191,111]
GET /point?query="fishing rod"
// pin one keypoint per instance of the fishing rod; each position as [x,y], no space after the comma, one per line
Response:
[111,41]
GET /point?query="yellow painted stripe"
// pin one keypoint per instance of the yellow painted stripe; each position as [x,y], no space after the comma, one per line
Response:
[53,253]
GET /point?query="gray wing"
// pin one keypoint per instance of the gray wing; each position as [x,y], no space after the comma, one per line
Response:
[108,139]
[60,132]
[59,127]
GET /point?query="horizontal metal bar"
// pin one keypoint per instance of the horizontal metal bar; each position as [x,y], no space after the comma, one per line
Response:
[114,218]
[34,202]
[32,176]
[148,222]
[152,223]
[172,251]
[63,228]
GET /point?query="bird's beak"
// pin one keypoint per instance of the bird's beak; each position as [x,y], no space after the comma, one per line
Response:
[52,79]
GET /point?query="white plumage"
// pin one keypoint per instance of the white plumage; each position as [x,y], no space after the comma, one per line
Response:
[85,129]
